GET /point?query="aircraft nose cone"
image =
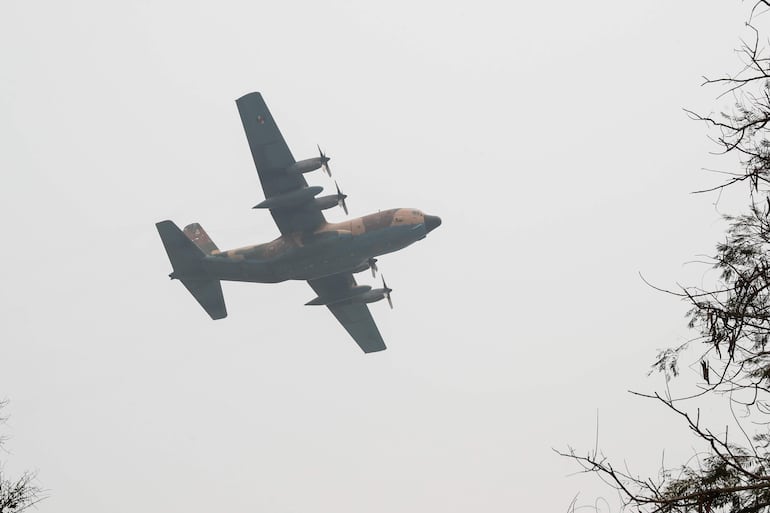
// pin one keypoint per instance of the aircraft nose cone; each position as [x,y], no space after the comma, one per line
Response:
[432,222]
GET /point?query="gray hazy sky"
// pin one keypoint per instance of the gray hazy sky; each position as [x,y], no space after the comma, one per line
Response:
[549,136]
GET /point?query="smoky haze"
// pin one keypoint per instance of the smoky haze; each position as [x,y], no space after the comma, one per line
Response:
[548,137]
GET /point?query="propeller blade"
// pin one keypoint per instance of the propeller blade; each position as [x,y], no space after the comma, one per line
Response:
[324,160]
[387,292]
[341,198]
[373,266]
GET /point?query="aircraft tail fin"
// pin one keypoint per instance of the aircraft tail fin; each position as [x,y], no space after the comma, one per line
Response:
[198,235]
[186,258]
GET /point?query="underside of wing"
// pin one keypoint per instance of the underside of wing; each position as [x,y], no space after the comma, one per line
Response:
[357,320]
[354,317]
[272,158]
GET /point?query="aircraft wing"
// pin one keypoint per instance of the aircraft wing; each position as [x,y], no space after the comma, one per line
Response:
[354,317]
[272,156]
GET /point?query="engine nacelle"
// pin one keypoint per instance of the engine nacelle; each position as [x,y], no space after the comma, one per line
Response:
[306,166]
[327,202]
[353,293]
[370,296]
[369,264]
[359,294]
[291,199]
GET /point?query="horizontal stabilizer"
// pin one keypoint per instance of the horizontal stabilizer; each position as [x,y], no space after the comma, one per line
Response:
[186,258]
[208,293]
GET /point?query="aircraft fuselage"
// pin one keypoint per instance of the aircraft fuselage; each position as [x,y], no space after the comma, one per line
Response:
[331,249]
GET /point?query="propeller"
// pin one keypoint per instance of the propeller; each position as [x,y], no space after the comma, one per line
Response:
[373,266]
[386,292]
[341,199]
[324,160]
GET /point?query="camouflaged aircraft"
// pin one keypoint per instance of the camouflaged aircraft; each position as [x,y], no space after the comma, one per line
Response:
[325,254]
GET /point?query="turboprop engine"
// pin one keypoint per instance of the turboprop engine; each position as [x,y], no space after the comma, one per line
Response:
[353,292]
[308,165]
[359,294]
[326,202]
[290,199]
[305,195]
[373,296]
[369,264]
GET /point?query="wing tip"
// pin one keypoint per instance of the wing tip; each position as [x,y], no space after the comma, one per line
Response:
[254,94]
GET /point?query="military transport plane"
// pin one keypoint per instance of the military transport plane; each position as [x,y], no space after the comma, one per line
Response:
[309,248]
